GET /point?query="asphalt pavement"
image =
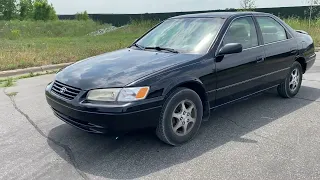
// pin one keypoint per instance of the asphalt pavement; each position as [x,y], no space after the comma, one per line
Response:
[265,137]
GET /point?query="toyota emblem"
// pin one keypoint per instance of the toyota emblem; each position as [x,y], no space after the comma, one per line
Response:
[63,90]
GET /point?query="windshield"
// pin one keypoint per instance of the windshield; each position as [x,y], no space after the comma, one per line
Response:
[186,35]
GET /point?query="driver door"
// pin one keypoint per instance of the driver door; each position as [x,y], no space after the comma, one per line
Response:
[238,74]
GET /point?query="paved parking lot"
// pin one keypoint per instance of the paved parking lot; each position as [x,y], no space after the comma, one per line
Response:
[265,137]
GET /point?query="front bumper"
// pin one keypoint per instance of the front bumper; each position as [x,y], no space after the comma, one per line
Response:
[103,118]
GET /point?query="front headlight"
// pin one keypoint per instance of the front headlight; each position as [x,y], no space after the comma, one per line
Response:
[103,94]
[118,94]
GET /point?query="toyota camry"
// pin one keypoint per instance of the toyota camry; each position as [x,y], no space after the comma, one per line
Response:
[172,77]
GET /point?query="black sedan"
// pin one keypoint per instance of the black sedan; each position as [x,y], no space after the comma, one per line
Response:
[173,76]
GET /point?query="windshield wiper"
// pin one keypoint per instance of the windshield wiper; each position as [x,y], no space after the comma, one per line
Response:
[138,46]
[163,49]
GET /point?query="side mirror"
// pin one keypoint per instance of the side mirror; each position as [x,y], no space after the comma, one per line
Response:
[230,48]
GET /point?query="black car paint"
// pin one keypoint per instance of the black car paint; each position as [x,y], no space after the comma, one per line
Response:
[118,68]
[218,80]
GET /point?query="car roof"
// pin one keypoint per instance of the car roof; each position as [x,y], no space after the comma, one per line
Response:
[218,14]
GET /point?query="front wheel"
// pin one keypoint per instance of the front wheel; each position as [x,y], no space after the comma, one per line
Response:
[181,117]
[291,85]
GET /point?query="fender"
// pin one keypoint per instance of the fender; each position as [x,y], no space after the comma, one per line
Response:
[176,82]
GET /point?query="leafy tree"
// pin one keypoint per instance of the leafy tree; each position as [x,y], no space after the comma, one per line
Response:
[248,4]
[83,16]
[44,11]
[53,13]
[26,9]
[8,9]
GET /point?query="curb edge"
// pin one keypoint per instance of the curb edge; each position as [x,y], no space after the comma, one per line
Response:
[33,69]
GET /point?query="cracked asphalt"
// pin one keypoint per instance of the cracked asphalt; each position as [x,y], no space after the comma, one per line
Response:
[264,137]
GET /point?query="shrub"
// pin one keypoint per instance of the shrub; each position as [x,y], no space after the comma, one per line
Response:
[83,16]
[14,34]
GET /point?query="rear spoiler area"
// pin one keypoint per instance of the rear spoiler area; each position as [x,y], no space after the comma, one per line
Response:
[302,32]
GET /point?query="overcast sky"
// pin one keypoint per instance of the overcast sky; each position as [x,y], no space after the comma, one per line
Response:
[151,6]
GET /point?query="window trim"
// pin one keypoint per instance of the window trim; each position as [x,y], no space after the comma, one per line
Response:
[225,33]
[285,29]
[259,33]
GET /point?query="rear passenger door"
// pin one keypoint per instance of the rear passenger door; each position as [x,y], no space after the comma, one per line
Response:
[280,49]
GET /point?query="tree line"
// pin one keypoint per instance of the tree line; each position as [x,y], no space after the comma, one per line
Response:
[42,10]
[31,10]
[27,9]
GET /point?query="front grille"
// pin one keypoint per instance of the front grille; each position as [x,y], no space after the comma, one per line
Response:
[64,90]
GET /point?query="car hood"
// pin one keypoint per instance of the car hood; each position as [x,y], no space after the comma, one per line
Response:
[118,68]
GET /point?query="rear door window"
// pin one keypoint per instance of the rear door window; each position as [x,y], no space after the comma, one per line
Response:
[272,31]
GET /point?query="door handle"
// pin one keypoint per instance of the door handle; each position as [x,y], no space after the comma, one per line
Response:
[260,59]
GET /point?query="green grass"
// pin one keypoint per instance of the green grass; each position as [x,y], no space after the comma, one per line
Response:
[8,82]
[29,43]
[35,29]
[35,51]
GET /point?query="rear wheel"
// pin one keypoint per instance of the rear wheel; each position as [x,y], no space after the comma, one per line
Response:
[181,117]
[291,85]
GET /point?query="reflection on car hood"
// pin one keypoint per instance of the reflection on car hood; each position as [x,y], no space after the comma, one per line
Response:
[118,68]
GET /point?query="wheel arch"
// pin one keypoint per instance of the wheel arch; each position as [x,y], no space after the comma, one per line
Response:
[195,85]
[303,63]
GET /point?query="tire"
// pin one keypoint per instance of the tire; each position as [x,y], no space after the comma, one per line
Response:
[285,89]
[169,121]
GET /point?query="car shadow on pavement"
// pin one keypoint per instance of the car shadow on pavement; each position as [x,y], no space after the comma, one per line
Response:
[138,154]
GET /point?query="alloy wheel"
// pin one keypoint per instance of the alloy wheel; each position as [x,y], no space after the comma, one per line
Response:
[294,80]
[184,117]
